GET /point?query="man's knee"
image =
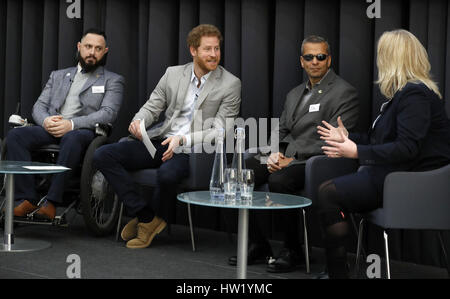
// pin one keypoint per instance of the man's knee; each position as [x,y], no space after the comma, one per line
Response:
[168,176]
[101,157]
[15,136]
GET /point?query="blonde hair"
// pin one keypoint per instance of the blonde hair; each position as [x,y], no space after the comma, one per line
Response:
[402,59]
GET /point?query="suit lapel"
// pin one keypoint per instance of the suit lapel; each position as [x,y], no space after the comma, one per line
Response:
[293,108]
[209,85]
[183,87]
[98,73]
[67,83]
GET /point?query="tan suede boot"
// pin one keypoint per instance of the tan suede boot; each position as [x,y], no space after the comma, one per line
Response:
[130,230]
[24,208]
[47,211]
[146,232]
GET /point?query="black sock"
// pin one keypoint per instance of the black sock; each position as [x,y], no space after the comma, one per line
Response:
[145,215]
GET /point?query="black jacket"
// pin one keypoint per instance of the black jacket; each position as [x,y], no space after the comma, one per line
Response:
[411,133]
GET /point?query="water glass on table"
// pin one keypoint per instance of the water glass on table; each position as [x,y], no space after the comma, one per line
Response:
[246,184]
[230,184]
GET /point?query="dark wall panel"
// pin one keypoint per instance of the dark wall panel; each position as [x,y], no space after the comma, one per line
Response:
[287,71]
[356,49]
[255,66]
[13,60]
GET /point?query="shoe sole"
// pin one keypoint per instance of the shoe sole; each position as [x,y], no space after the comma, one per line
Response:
[158,229]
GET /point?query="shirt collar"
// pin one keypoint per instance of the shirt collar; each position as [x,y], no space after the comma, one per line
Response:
[79,68]
[308,84]
[203,79]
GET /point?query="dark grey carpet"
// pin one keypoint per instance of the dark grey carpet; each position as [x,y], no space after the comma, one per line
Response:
[170,256]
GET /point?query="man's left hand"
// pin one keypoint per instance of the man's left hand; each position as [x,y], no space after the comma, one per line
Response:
[60,128]
[174,142]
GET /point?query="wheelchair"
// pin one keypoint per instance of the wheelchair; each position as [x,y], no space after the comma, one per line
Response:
[87,192]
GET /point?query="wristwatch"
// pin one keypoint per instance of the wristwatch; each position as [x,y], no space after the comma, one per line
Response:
[181,142]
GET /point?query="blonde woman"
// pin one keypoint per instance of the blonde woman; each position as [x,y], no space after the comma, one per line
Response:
[412,132]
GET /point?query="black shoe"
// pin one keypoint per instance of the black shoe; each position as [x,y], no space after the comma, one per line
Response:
[257,253]
[287,261]
[322,275]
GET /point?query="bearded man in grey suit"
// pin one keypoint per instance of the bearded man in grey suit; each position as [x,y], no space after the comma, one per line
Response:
[71,103]
[190,94]
[323,96]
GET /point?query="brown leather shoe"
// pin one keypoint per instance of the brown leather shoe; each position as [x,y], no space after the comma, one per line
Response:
[24,209]
[47,211]
[130,230]
[146,232]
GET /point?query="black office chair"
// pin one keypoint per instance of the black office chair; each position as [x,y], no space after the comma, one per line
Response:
[88,191]
[412,200]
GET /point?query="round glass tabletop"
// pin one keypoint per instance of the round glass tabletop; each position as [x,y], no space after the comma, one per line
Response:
[26,167]
[261,200]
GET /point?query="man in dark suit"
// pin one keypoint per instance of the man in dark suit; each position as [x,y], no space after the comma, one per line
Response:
[323,96]
[71,103]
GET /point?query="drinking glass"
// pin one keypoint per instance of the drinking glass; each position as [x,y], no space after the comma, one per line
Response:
[246,184]
[230,184]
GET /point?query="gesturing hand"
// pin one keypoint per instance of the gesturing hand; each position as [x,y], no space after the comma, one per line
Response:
[331,133]
[345,149]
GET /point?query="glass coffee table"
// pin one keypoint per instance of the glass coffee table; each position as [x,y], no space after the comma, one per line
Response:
[261,201]
[11,168]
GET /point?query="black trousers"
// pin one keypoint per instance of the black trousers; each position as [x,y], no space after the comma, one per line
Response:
[288,180]
[115,160]
[21,141]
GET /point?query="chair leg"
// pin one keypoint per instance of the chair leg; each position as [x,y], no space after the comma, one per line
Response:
[357,230]
[191,227]
[305,234]
[119,222]
[359,246]
[386,249]
[444,252]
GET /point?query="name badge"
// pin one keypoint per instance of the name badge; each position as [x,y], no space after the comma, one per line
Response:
[314,108]
[98,89]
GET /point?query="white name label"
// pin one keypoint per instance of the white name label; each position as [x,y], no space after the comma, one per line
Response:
[98,89]
[314,108]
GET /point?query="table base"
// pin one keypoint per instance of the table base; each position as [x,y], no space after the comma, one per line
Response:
[25,245]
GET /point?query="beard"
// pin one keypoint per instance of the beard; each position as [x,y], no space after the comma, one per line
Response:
[89,67]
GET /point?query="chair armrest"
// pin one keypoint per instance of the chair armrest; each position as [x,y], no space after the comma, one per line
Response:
[103,129]
[320,169]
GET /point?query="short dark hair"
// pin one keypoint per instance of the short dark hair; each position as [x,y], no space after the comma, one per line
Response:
[94,31]
[315,39]
[196,34]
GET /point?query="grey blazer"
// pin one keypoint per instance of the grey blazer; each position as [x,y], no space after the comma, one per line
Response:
[219,99]
[96,107]
[298,131]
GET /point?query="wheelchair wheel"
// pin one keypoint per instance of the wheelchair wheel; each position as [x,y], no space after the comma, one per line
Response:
[99,204]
